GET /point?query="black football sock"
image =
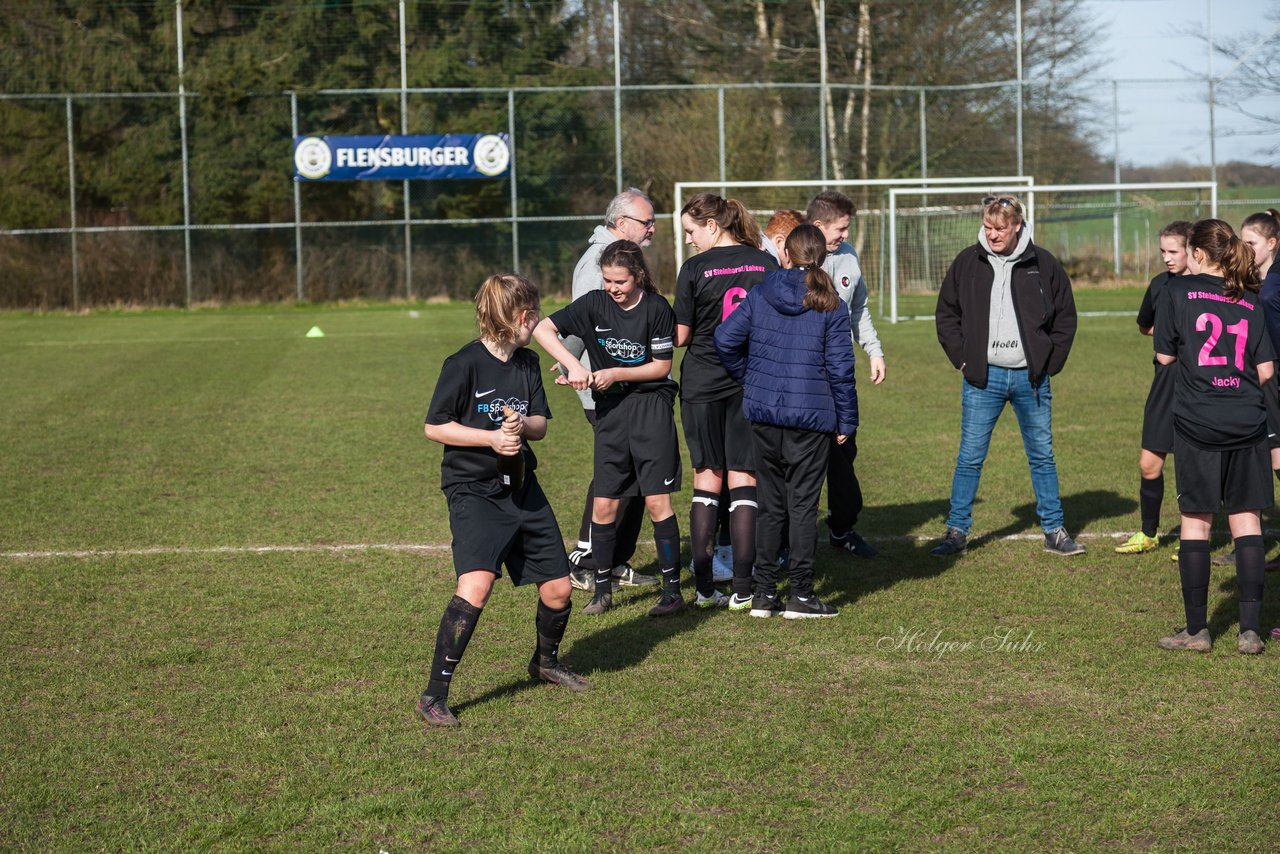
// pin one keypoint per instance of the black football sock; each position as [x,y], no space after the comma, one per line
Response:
[666,537]
[1193,567]
[1250,557]
[742,521]
[584,530]
[603,540]
[702,520]
[631,513]
[456,626]
[1150,497]
[724,536]
[550,624]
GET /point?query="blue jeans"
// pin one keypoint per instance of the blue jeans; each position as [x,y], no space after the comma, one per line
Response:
[980,408]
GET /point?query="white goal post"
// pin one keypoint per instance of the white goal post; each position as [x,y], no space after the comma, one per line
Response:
[724,188]
[1028,194]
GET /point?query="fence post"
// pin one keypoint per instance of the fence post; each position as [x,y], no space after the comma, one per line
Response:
[515,196]
[404,128]
[186,160]
[1115,214]
[71,182]
[893,256]
[297,202]
[1018,14]
[1146,246]
[617,102]
[1213,143]
[924,173]
[720,110]
[822,82]
[880,269]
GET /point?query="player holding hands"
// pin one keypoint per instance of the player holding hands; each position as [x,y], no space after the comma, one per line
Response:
[629,332]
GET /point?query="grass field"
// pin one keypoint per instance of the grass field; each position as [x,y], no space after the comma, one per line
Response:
[224,556]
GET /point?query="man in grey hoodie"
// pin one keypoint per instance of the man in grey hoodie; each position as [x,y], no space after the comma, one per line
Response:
[629,217]
[1006,318]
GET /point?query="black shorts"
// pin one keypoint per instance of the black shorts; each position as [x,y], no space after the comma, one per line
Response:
[718,435]
[1238,480]
[1157,416]
[636,445]
[513,527]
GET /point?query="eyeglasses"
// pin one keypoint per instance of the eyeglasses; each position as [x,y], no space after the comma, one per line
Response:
[647,223]
[1002,201]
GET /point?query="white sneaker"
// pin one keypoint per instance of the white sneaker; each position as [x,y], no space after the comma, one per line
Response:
[739,604]
[722,564]
[715,600]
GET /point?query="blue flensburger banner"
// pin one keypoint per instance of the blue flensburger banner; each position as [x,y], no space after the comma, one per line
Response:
[393,158]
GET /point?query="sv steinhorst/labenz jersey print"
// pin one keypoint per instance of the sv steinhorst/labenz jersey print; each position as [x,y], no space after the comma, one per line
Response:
[709,287]
[1218,343]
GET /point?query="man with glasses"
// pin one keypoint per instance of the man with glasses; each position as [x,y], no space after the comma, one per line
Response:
[629,217]
[1006,319]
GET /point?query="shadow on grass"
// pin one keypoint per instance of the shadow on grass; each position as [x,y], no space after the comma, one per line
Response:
[847,578]
[854,578]
[1080,510]
[610,647]
[1226,615]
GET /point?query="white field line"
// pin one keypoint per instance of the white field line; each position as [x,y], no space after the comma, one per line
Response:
[903,317]
[436,548]
[202,339]
[427,548]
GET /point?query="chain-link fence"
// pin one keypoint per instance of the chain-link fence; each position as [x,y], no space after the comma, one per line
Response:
[147,152]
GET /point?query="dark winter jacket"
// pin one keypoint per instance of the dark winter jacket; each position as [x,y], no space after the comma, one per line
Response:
[1042,302]
[795,364]
[1269,296]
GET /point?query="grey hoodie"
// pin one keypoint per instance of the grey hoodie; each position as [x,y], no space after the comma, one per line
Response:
[1004,342]
[587,278]
[845,271]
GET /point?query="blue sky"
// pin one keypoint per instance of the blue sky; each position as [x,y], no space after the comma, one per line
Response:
[1146,40]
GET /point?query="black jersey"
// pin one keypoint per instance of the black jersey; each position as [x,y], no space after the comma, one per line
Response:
[1151,299]
[709,287]
[473,389]
[618,338]
[1218,343]
[1157,292]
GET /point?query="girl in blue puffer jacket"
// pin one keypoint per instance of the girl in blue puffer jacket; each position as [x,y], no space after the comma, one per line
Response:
[788,345]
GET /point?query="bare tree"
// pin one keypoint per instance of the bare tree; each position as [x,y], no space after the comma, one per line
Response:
[1252,78]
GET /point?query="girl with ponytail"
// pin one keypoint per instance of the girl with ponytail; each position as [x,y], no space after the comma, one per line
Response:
[487,407]
[1261,233]
[788,344]
[1212,328]
[709,288]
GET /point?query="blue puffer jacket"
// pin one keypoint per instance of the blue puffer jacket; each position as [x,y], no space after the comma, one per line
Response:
[795,364]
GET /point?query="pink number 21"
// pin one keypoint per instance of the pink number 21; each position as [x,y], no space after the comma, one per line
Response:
[1240,331]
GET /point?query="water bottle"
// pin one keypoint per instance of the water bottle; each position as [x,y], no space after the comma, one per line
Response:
[511,469]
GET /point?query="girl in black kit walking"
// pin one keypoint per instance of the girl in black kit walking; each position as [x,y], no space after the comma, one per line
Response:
[487,406]
[628,328]
[1212,327]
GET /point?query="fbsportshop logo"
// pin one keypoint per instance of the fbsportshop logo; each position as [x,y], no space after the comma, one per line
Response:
[495,408]
[623,350]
